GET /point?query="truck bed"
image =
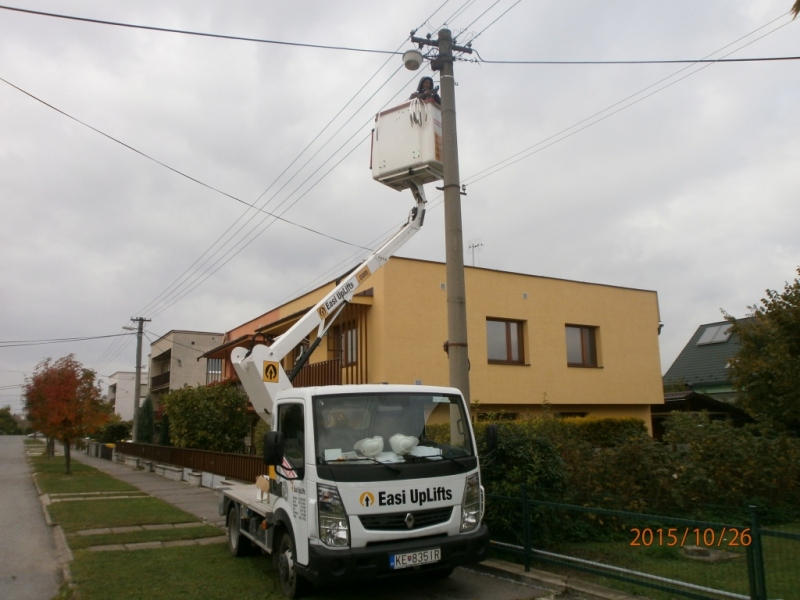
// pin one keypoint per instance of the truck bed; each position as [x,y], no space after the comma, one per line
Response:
[246,495]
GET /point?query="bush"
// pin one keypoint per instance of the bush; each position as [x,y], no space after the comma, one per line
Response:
[116,430]
[706,469]
[210,417]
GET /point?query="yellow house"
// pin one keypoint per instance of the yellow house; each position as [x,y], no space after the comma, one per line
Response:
[585,349]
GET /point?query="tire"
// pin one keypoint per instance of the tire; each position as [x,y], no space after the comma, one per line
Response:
[238,545]
[292,584]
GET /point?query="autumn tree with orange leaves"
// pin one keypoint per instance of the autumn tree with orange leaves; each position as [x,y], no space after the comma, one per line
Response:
[63,401]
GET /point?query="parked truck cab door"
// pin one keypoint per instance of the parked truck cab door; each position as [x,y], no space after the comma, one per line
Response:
[292,474]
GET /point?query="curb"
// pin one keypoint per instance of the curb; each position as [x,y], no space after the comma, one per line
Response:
[559,584]
[63,553]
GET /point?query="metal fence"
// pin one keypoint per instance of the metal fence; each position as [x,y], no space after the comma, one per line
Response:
[668,555]
[242,467]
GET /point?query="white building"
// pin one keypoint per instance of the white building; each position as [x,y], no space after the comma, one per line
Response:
[120,392]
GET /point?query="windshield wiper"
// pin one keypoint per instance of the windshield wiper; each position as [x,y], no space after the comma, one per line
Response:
[437,457]
[359,458]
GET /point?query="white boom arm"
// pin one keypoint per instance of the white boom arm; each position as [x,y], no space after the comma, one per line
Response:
[260,369]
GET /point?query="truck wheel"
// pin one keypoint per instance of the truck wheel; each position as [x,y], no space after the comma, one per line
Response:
[292,585]
[237,543]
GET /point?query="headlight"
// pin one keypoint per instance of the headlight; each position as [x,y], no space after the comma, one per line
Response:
[332,518]
[471,505]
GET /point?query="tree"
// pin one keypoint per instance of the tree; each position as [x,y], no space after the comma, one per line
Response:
[62,400]
[8,425]
[210,417]
[145,426]
[766,371]
[163,432]
[115,430]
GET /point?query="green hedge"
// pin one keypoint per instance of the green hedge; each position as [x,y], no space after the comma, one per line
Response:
[705,469]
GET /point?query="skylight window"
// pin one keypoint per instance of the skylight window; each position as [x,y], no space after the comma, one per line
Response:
[715,334]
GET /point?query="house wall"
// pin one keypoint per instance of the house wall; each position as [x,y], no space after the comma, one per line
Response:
[414,318]
[184,368]
[124,396]
[407,326]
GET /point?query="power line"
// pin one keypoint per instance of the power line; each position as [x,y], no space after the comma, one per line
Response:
[174,170]
[558,137]
[16,343]
[634,62]
[194,33]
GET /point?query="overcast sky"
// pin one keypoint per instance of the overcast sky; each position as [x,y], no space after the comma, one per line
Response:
[678,178]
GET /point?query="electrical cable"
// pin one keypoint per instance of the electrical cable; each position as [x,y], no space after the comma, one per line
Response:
[111,354]
[170,291]
[194,33]
[17,343]
[475,37]
[197,273]
[496,167]
[166,166]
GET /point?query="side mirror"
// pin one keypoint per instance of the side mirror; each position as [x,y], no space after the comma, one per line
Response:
[492,437]
[273,448]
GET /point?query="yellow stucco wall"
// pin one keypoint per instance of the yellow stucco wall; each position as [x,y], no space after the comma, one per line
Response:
[407,325]
[415,321]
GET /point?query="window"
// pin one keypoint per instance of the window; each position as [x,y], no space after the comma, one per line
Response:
[715,335]
[345,343]
[581,346]
[213,370]
[291,423]
[504,341]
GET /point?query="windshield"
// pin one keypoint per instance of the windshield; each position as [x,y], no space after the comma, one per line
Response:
[390,428]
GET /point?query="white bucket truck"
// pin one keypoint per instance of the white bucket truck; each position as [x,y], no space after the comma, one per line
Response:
[364,481]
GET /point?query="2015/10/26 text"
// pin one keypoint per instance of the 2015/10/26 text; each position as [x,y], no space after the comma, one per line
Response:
[706,537]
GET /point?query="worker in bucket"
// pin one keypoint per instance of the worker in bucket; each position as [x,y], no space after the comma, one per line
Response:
[425,90]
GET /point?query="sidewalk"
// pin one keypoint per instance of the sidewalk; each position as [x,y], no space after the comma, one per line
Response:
[199,501]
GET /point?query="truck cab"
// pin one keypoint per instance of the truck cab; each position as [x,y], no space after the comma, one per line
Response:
[366,481]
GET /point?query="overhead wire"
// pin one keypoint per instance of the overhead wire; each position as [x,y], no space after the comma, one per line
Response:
[166,166]
[186,280]
[251,233]
[557,137]
[18,343]
[193,33]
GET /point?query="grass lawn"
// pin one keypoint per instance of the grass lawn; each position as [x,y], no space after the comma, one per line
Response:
[96,514]
[79,542]
[207,572]
[781,557]
[52,479]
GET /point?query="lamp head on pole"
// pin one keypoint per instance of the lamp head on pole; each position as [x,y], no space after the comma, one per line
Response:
[412,59]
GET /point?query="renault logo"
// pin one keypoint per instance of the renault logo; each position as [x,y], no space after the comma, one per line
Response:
[409,520]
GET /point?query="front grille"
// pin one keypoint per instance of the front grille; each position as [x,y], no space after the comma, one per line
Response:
[397,521]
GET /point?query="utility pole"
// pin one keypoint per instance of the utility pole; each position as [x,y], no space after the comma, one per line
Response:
[456,344]
[138,380]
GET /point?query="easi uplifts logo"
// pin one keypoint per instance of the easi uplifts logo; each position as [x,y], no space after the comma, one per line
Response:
[416,496]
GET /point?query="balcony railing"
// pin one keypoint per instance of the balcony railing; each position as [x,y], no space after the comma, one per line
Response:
[159,381]
[328,372]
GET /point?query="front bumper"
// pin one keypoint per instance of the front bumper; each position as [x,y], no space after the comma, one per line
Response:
[327,566]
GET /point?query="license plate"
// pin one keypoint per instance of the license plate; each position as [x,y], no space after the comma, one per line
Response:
[415,559]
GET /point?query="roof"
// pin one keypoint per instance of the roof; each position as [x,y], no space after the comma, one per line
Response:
[705,358]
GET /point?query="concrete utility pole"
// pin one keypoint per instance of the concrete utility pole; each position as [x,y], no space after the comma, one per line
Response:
[456,344]
[138,380]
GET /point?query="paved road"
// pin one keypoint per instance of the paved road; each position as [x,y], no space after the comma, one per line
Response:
[29,568]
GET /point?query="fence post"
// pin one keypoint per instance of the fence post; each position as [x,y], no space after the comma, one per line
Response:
[526,518]
[755,559]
